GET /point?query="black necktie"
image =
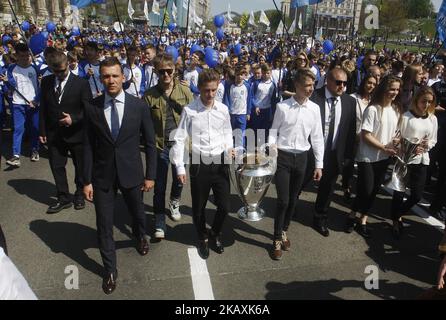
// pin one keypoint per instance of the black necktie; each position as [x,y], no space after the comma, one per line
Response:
[331,128]
[114,119]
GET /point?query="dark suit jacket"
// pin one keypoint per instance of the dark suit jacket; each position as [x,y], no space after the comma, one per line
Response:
[75,97]
[105,159]
[347,124]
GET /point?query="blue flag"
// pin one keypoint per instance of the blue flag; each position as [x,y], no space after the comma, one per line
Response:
[441,22]
[85,3]
[301,3]
[338,2]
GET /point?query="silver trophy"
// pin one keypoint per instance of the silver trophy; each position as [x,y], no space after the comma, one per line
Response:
[251,175]
[406,150]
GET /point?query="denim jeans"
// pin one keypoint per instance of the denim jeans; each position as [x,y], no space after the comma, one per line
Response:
[159,196]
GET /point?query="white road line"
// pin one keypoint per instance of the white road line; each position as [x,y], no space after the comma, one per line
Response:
[201,282]
[422,213]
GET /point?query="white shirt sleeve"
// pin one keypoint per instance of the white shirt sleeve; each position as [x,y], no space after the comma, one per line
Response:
[181,135]
[275,127]
[368,119]
[317,141]
[13,285]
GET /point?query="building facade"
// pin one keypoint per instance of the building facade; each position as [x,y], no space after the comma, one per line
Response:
[39,11]
[333,20]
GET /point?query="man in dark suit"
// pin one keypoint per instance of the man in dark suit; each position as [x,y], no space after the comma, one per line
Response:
[338,116]
[112,160]
[63,100]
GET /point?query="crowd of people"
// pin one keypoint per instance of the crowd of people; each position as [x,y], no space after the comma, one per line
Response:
[101,95]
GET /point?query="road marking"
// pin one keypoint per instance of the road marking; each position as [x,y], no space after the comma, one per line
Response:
[422,213]
[201,282]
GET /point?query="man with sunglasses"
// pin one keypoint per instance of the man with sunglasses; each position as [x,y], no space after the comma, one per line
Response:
[166,100]
[338,116]
[64,96]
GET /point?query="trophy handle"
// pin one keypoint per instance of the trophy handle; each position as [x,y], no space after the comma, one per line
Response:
[272,156]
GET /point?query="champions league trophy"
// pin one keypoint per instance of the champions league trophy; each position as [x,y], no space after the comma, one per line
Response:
[251,176]
[405,152]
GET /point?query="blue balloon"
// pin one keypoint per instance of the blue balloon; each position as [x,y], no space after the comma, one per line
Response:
[25,25]
[50,27]
[238,49]
[220,34]
[172,26]
[173,52]
[6,38]
[212,58]
[195,48]
[327,46]
[37,43]
[75,32]
[219,21]
[45,34]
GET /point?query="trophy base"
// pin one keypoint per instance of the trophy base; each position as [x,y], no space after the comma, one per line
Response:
[247,215]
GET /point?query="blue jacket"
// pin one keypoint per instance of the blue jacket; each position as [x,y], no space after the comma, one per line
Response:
[13,85]
[227,96]
[274,98]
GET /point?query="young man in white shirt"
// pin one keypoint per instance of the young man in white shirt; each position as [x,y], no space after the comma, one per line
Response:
[23,81]
[207,123]
[296,122]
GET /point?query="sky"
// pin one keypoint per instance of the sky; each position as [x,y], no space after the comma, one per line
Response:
[218,6]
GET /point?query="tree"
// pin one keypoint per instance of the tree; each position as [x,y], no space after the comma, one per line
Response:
[419,8]
[244,20]
[392,15]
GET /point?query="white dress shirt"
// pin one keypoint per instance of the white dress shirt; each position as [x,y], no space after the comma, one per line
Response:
[119,101]
[294,124]
[338,113]
[62,86]
[209,128]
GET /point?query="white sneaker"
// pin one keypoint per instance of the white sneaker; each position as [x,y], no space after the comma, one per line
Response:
[174,208]
[159,233]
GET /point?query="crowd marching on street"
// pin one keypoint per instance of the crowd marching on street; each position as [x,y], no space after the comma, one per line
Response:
[325,109]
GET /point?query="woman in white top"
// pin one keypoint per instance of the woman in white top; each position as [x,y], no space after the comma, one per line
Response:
[379,127]
[418,125]
[362,98]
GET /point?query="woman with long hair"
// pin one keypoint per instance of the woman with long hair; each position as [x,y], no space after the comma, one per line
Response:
[418,125]
[362,97]
[376,146]
[412,78]
[300,62]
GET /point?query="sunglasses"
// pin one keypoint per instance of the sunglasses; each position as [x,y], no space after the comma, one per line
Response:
[339,82]
[163,71]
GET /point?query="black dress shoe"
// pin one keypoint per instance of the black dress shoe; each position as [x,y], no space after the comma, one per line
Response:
[363,230]
[58,206]
[79,203]
[142,246]
[109,283]
[218,245]
[203,249]
[350,225]
[347,195]
[320,225]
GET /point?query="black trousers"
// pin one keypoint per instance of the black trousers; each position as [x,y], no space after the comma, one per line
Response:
[289,177]
[327,184]
[104,201]
[205,177]
[58,155]
[416,178]
[371,176]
